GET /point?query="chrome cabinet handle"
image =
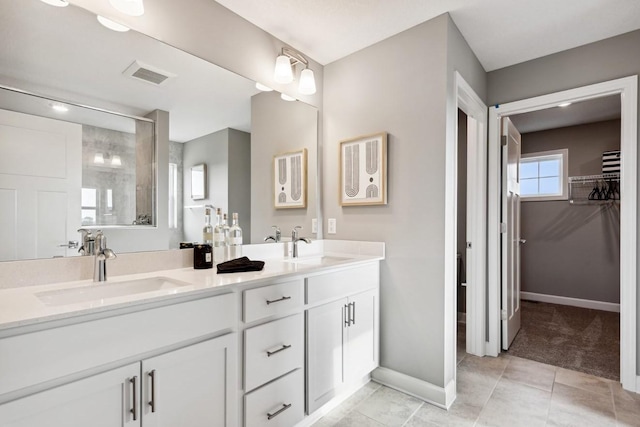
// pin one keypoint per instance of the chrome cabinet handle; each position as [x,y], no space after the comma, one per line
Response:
[152,402]
[134,408]
[284,347]
[278,300]
[346,313]
[285,406]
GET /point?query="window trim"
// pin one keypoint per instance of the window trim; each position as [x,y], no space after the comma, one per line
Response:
[564,175]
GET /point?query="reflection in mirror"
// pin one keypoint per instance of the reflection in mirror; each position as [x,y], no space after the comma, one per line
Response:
[199,182]
[202,115]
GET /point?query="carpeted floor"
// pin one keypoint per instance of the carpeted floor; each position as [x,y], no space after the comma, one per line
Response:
[574,338]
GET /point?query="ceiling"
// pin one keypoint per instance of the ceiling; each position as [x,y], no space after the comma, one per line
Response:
[578,113]
[500,32]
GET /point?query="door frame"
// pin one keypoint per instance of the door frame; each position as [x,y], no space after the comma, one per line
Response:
[627,88]
[470,103]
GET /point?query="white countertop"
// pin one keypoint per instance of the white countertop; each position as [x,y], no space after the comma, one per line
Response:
[22,306]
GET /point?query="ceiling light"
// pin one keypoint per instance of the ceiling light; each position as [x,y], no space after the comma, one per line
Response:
[115,160]
[307,84]
[98,158]
[59,108]
[57,3]
[129,7]
[283,73]
[112,25]
[262,87]
[286,97]
[564,104]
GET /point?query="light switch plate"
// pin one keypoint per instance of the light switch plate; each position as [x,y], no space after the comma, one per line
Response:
[331,226]
[314,225]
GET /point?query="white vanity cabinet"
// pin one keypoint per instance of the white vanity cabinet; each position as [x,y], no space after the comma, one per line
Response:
[342,334]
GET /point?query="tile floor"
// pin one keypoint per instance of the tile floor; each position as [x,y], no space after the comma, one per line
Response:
[505,391]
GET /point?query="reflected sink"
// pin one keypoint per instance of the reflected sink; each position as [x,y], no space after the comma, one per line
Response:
[317,260]
[105,290]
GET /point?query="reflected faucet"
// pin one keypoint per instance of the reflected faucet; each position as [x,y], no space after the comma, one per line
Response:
[88,243]
[295,239]
[102,254]
[277,235]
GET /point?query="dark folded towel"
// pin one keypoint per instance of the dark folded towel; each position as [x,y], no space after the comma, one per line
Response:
[239,265]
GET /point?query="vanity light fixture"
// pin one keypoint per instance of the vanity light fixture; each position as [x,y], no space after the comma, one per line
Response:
[57,3]
[128,7]
[283,72]
[115,160]
[564,104]
[98,159]
[286,97]
[112,25]
[262,87]
[59,108]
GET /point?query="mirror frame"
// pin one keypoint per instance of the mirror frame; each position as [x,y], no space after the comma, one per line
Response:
[199,182]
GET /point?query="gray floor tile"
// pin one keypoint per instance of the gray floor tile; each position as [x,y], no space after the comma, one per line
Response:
[515,404]
[354,400]
[575,407]
[355,418]
[531,373]
[388,406]
[460,414]
[583,381]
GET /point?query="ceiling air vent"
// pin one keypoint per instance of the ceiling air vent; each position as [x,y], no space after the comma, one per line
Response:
[147,73]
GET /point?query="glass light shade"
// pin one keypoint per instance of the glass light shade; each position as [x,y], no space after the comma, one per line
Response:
[129,7]
[115,160]
[112,25]
[283,73]
[262,87]
[307,84]
[98,158]
[57,3]
[286,97]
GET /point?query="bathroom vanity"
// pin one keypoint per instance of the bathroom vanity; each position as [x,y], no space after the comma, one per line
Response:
[189,347]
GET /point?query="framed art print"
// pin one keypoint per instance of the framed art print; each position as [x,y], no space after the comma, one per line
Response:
[363,170]
[290,180]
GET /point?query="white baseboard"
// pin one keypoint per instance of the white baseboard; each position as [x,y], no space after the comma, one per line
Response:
[638,384]
[575,302]
[438,396]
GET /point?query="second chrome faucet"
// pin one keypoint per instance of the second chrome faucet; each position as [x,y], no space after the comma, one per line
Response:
[295,239]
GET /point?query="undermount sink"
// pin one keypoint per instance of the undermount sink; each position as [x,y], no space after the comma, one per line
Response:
[317,260]
[101,291]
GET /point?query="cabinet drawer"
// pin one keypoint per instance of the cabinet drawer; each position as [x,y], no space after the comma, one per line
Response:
[342,283]
[273,299]
[30,359]
[278,404]
[272,350]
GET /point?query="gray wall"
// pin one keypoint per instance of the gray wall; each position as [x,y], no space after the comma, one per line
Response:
[573,250]
[215,151]
[176,235]
[596,62]
[376,90]
[279,127]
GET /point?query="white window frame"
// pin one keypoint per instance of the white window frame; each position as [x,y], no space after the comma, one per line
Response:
[563,154]
[173,196]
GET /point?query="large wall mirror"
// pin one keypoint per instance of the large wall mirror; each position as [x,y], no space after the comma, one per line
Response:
[129,173]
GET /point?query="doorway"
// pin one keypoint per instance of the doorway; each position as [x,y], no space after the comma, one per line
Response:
[627,89]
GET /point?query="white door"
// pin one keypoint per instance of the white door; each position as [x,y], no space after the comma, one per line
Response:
[103,400]
[511,236]
[195,386]
[40,184]
[360,348]
[325,328]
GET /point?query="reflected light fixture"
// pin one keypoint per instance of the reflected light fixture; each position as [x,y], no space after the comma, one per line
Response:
[564,104]
[262,87]
[112,25]
[286,97]
[115,160]
[283,72]
[57,3]
[98,158]
[128,7]
[59,108]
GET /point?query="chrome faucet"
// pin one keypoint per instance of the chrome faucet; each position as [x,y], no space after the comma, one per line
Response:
[102,254]
[295,239]
[277,235]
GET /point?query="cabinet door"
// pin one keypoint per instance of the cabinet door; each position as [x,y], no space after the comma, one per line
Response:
[103,400]
[325,330]
[361,342]
[195,386]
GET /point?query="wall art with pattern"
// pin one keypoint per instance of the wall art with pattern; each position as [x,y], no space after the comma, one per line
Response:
[290,180]
[363,170]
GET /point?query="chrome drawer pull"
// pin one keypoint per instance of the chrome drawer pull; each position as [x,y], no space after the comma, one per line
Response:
[284,347]
[285,406]
[278,300]
[134,409]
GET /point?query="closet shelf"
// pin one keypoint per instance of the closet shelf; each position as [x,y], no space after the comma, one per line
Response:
[594,189]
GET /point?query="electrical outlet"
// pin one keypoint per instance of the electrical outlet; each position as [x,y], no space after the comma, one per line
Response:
[331,226]
[314,225]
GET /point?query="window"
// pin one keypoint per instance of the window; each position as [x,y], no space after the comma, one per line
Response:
[173,195]
[89,199]
[543,176]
